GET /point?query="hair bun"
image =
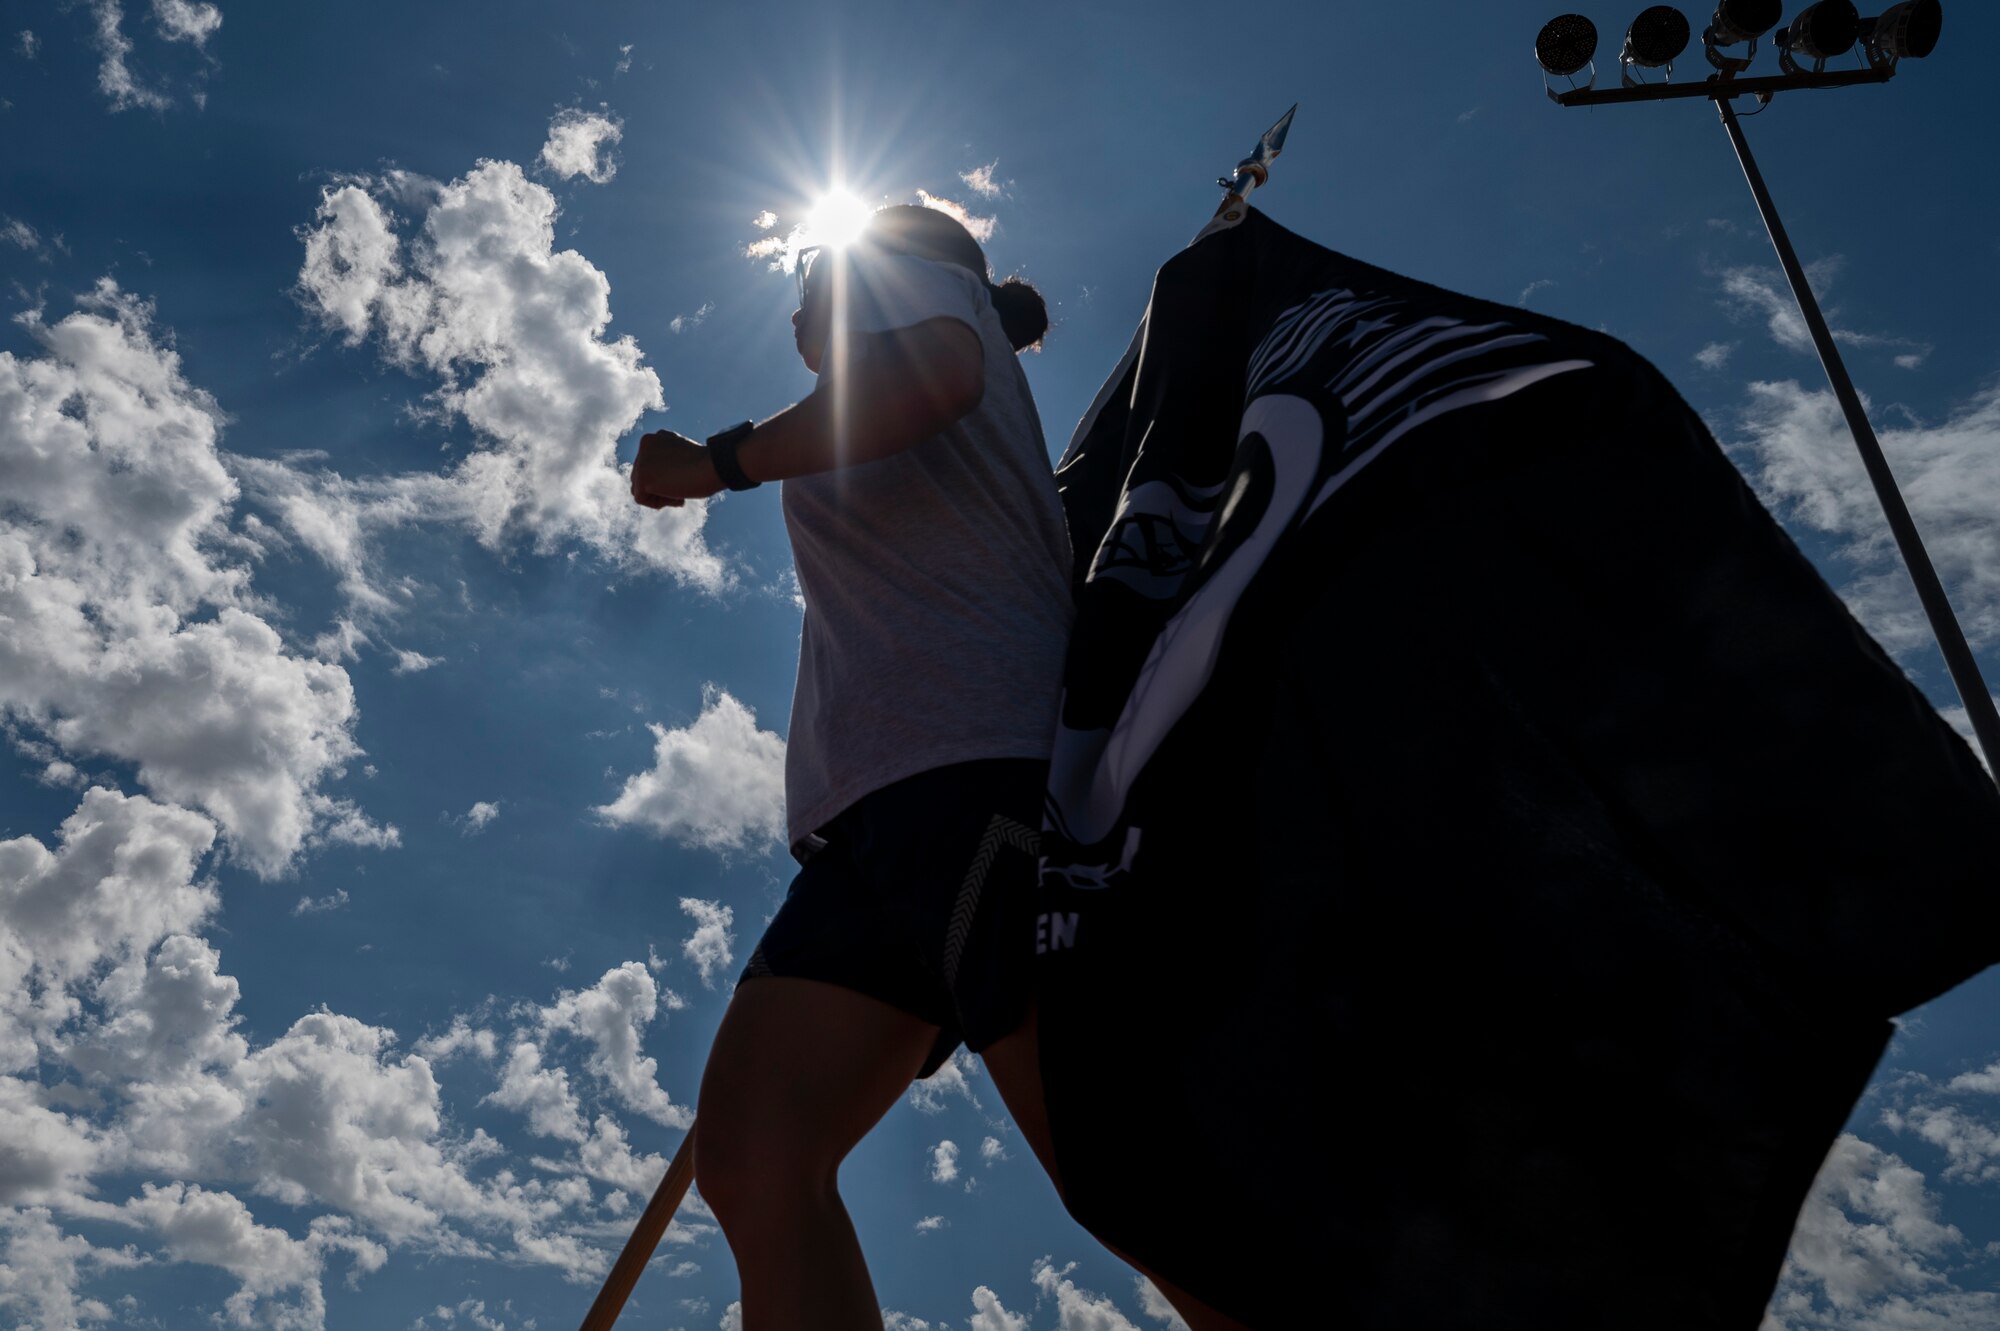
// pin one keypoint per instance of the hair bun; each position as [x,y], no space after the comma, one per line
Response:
[1024,315]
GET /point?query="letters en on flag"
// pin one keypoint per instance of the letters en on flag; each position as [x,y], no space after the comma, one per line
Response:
[1481,853]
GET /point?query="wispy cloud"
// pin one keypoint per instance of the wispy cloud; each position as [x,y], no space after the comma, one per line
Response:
[187,20]
[1540,284]
[680,323]
[1796,448]
[1715,356]
[114,76]
[412,662]
[980,181]
[1760,292]
[321,905]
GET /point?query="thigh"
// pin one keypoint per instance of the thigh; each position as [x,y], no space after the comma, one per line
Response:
[801,1070]
[1015,1063]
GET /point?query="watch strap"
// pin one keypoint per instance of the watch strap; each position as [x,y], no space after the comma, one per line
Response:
[722,452]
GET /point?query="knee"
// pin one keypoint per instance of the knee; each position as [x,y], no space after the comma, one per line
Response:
[751,1177]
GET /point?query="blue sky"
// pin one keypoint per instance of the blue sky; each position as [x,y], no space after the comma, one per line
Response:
[387,807]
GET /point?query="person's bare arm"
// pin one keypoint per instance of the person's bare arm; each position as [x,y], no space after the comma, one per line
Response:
[886,392]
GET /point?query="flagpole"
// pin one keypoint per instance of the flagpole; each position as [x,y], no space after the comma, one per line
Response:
[646,1236]
[1251,172]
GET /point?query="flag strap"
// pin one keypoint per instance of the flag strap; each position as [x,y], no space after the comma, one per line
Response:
[646,1236]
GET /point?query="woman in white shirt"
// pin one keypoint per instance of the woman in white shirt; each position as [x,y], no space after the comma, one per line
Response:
[934,561]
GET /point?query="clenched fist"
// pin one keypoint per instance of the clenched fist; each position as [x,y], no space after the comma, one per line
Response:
[670,469]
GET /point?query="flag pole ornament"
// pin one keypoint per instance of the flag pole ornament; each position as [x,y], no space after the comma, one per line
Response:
[1253,171]
[1444,714]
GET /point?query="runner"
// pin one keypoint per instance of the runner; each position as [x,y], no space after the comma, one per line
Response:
[934,561]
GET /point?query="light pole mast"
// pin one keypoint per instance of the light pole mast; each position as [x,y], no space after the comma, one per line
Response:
[1820,32]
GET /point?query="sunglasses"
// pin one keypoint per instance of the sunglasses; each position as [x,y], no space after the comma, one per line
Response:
[802,264]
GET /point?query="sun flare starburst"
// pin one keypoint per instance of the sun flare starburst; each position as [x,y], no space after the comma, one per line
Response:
[837,218]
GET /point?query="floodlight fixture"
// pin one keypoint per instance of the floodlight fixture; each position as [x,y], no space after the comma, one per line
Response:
[1907,29]
[1656,38]
[1735,23]
[1820,32]
[1743,20]
[1566,45]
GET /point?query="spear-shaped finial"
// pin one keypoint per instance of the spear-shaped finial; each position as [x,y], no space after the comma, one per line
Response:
[1255,169]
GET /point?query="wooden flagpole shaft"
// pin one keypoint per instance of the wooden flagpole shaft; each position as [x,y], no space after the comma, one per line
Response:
[645,1238]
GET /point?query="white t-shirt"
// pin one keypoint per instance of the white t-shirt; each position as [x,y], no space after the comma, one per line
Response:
[936,581]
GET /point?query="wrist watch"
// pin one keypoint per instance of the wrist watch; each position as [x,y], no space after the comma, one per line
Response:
[722,452]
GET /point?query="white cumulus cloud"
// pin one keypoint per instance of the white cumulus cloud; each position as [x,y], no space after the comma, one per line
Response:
[580,142]
[944,1162]
[989,1314]
[612,1015]
[717,783]
[134,634]
[513,333]
[1871,1250]
[709,947]
[1077,1309]
[1155,1306]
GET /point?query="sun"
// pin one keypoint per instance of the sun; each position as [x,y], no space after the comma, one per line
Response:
[837,219]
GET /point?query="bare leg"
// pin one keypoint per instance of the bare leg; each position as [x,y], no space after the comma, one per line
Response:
[800,1071]
[1016,1065]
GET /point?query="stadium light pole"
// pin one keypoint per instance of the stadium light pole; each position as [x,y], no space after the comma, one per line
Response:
[1819,33]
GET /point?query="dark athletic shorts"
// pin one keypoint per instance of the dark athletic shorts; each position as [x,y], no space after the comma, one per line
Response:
[921,898]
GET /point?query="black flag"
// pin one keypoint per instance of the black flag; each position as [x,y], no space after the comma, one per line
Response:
[1481,852]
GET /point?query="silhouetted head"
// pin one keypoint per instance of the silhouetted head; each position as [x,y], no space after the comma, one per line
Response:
[927,233]
[908,228]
